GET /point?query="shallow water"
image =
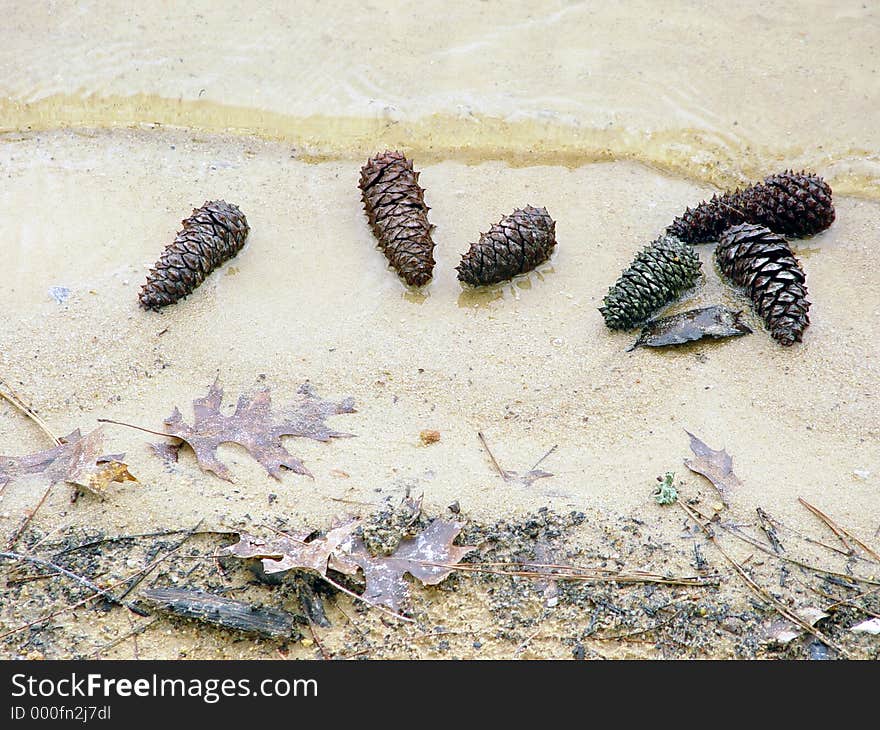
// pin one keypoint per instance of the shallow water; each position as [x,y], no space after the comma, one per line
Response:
[612,116]
[718,92]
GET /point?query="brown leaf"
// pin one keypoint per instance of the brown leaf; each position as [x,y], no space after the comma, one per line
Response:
[76,460]
[287,552]
[714,322]
[253,427]
[716,466]
[429,556]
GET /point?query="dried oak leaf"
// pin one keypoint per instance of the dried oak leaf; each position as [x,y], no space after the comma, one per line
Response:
[77,460]
[286,552]
[716,466]
[429,556]
[256,428]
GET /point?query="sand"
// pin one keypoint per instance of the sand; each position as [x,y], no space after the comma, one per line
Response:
[102,158]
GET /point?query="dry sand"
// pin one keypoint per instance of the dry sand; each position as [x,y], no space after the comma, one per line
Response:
[92,191]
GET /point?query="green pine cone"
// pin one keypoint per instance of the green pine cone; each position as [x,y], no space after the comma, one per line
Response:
[659,273]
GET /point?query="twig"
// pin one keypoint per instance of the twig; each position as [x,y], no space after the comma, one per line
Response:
[354,595]
[349,618]
[316,638]
[186,537]
[139,629]
[807,538]
[764,549]
[525,642]
[124,538]
[16,401]
[624,637]
[580,574]
[504,475]
[829,523]
[838,530]
[27,520]
[538,462]
[139,428]
[78,578]
[781,608]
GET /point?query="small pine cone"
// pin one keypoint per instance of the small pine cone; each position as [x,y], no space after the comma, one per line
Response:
[761,262]
[213,234]
[517,243]
[395,207]
[659,273]
[791,203]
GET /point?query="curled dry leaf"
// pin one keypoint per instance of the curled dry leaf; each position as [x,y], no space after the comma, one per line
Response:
[709,322]
[429,556]
[716,466]
[256,428]
[77,460]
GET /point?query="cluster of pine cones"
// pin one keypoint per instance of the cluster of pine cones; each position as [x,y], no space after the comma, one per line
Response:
[750,226]
[395,206]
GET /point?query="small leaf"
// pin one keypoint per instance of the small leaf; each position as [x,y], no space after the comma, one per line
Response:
[713,322]
[716,466]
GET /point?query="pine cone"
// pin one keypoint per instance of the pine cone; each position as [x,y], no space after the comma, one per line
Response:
[211,235]
[395,207]
[791,203]
[763,264]
[517,243]
[659,273]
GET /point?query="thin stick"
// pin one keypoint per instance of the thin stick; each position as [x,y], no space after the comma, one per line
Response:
[348,618]
[136,630]
[525,642]
[781,608]
[829,523]
[838,529]
[16,401]
[27,520]
[85,600]
[538,462]
[315,636]
[807,538]
[764,549]
[504,475]
[354,595]
[160,533]
[75,577]
[175,548]
[598,575]
[139,428]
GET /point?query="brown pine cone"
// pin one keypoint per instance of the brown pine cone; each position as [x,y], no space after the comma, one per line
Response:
[791,203]
[761,262]
[213,234]
[517,243]
[395,207]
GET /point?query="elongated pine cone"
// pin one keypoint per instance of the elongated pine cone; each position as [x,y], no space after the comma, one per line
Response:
[659,273]
[211,235]
[791,203]
[395,207]
[761,262]
[517,243]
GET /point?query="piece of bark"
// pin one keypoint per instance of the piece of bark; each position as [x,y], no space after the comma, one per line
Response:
[208,608]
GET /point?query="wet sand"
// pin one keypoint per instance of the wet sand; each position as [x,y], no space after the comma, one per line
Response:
[92,192]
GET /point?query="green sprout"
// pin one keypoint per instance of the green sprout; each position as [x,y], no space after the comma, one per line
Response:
[666,492]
